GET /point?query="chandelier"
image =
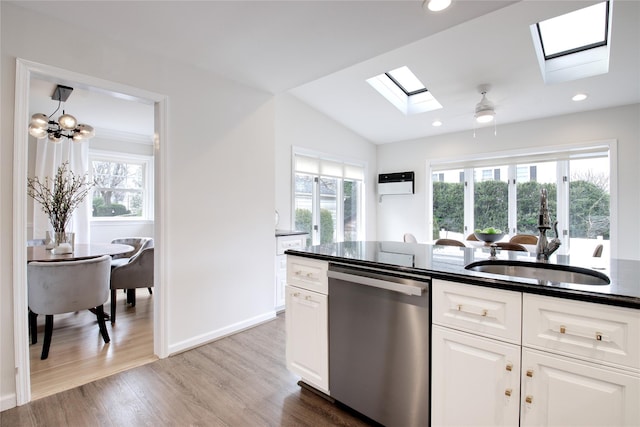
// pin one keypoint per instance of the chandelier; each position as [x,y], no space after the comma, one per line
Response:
[43,126]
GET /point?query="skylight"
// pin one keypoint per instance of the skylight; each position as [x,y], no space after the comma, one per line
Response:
[574,45]
[575,31]
[404,90]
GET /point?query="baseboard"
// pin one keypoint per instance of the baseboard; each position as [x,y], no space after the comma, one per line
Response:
[8,401]
[199,340]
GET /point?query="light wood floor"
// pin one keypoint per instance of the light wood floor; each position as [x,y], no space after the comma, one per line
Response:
[78,355]
[240,380]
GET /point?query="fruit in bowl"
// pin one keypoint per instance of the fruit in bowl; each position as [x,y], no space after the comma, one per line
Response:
[489,234]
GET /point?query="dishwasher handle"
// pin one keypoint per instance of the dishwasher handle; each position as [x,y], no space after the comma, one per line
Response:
[406,289]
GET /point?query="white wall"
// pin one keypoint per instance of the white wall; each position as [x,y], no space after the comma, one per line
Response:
[300,126]
[400,214]
[220,198]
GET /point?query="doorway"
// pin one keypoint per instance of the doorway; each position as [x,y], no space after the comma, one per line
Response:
[25,73]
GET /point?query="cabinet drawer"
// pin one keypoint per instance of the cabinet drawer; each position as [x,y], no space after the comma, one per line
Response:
[308,274]
[596,332]
[289,242]
[493,313]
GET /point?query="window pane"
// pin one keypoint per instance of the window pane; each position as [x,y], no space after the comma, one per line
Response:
[589,200]
[328,214]
[448,202]
[351,209]
[575,30]
[491,198]
[303,201]
[119,190]
[531,179]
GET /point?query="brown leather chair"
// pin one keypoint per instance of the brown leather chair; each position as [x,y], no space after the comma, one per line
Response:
[524,239]
[450,242]
[510,246]
[597,252]
[472,237]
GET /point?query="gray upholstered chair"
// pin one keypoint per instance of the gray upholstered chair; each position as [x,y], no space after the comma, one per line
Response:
[64,287]
[137,273]
[138,243]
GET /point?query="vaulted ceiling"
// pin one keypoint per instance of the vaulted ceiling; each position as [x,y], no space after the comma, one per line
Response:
[323,51]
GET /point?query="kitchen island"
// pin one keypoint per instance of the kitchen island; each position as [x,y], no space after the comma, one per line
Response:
[510,350]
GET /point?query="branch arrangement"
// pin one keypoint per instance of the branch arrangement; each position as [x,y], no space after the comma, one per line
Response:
[60,201]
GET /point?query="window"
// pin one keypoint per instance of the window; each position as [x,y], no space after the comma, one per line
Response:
[574,32]
[124,187]
[506,195]
[405,91]
[328,199]
[574,45]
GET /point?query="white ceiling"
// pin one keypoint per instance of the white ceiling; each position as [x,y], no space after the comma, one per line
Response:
[323,51]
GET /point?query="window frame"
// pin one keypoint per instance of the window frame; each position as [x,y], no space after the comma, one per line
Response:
[339,223]
[530,155]
[148,178]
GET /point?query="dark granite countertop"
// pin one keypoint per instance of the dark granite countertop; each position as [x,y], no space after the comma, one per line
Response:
[447,262]
[289,232]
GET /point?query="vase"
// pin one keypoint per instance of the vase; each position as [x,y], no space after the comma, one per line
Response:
[55,239]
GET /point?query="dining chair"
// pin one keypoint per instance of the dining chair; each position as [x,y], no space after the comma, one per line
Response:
[472,238]
[524,239]
[137,273]
[597,252]
[410,238]
[64,287]
[36,242]
[510,246]
[450,242]
[138,243]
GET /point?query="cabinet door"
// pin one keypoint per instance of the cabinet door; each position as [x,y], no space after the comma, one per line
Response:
[559,391]
[475,380]
[307,336]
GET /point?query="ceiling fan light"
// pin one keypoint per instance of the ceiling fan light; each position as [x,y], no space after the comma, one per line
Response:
[485,116]
[37,131]
[67,121]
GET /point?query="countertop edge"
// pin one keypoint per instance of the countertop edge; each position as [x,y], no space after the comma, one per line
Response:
[477,280]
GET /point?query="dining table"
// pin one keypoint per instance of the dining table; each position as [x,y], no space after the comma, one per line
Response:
[80,251]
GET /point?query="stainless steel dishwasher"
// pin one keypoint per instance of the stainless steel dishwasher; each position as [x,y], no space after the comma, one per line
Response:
[379,344]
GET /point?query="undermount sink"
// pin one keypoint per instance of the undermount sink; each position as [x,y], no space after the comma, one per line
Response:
[541,272]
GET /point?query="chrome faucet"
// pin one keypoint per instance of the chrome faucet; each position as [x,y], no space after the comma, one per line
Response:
[545,247]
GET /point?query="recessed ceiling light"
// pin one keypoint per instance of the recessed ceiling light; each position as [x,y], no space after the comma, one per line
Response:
[436,123]
[436,5]
[579,97]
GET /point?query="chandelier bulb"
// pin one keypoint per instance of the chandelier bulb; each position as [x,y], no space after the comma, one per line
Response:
[67,121]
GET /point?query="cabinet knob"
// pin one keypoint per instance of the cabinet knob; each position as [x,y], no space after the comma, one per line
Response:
[296,294]
[507,392]
[485,312]
[308,298]
[530,373]
[563,329]
[528,399]
[598,336]
[509,367]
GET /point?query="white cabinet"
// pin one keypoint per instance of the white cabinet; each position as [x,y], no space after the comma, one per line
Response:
[284,242]
[307,321]
[475,378]
[580,360]
[580,363]
[561,391]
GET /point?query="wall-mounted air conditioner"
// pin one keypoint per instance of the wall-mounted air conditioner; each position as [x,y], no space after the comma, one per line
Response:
[396,183]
